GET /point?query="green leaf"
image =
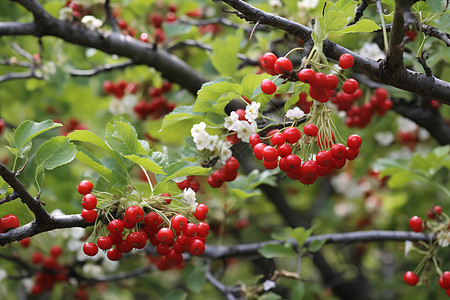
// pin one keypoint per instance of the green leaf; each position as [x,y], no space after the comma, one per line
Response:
[224,55]
[298,292]
[176,295]
[19,209]
[251,82]
[89,160]
[28,130]
[364,25]
[316,245]
[89,137]
[270,296]
[180,169]
[276,250]
[146,162]
[184,114]
[196,279]
[55,152]
[215,95]
[300,235]
[298,88]
[122,138]
[402,178]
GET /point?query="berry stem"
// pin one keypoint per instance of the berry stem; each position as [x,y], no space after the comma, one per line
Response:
[148,178]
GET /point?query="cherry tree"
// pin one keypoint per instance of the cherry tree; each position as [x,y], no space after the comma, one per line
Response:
[228,149]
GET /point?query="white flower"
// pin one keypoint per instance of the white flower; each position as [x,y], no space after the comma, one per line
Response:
[246,130]
[202,141]
[372,51]
[3,274]
[384,138]
[268,284]
[275,3]
[212,142]
[92,270]
[295,113]
[443,238]
[225,152]
[231,121]
[189,196]
[77,233]
[198,129]
[406,125]
[91,22]
[66,14]
[252,111]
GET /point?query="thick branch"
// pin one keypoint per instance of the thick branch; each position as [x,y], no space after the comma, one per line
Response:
[217,252]
[17,28]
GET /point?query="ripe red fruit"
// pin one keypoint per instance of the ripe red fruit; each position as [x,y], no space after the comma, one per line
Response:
[152,219]
[415,223]
[282,65]
[254,139]
[55,251]
[231,164]
[190,229]
[201,211]
[411,278]
[351,154]
[85,187]
[178,222]
[269,153]
[104,242]
[257,150]
[115,226]
[284,150]
[137,239]
[270,165]
[307,75]
[290,163]
[89,201]
[202,229]
[268,61]
[113,254]
[331,82]
[25,242]
[338,151]
[354,141]
[446,278]
[350,86]
[134,214]
[8,222]
[437,209]
[292,134]
[90,249]
[165,236]
[268,87]
[323,158]
[196,247]
[89,215]
[36,257]
[346,61]
[310,129]
[278,139]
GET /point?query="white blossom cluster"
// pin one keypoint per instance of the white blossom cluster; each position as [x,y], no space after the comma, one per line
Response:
[372,51]
[66,14]
[189,198]
[244,129]
[294,113]
[443,238]
[123,106]
[91,22]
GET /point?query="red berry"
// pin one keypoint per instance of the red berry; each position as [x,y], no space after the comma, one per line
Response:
[165,236]
[137,239]
[257,150]
[55,251]
[331,82]
[346,61]
[25,242]
[411,278]
[350,86]
[85,187]
[116,226]
[381,94]
[254,139]
[268,61]
[134,214]
[437,209]
[323,158]
[90,249]
[202,229]
[268,87]
[415,223]
[290,163]
[270,165]
[190,229]
[284,150]
[446,278]
[269,153]
[354,141]
[338,151]
[8,222]
[36,257]
[283,65]
[196,247]
[104,242]
[89,215]
[231,164]
[108,87]
[201,212]
[338,163]
[320,81]
[113,254]
[307,75]
[278,139]
[351,154]
[292,134]
[310,129]
[89,201]
[178,222]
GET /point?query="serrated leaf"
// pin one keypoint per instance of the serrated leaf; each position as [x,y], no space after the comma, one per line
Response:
[146,162]
[316,245]
[122,138]
[28,130]
[224,55]
[300,235]
[89,160]
[184,169]
[364,25]
[276,250]
[251,82]
[215,95]
[89,137]
[55,152]
[183,114]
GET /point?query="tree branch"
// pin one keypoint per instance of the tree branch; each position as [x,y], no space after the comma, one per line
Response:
[100,69]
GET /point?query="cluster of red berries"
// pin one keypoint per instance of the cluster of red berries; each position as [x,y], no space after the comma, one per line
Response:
[360,116]
[158,106]
[303,103]
[89,201]
[51,273]
[274,65]
[280,153]
[418,225]
[228,172]
[77,8]
[411,278]
[156,20]
[119,88]
[8,222]
[189,182]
